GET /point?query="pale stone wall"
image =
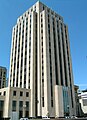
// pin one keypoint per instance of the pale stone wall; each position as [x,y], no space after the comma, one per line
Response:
[83,96]
[8,98]
[57,73]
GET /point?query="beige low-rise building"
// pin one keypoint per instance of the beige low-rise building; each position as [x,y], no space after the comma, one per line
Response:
[78,104]
[83,102]
[14,102]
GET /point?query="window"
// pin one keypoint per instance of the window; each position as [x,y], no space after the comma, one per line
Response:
[41,20]
[48,10]
[29,50]
[21,93]
[41,15]
[42,74]
[59,18]
[35,8]
[14,93]
[41,25]
[29,73]
[42,61]
[27,94]
[14,105]
[31,9]
[42,37]
[42,43]
[43,101]
[84,102]
[41,31]
[4,93]
[29,43]
[42,67]
[51,102]
[27,104]
[1,104]
[20,114]
[20,104]
[4,73]
[20,84]
[27,114]
[42,55]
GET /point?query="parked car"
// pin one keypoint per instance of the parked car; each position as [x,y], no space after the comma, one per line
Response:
[46,117]
[67,117]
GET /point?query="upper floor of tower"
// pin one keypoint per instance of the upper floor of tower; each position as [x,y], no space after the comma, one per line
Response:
[39,7]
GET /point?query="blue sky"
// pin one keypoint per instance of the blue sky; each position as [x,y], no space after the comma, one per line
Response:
[74,13]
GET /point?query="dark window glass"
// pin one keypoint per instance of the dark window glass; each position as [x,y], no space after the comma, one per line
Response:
[20,114]
[27,94]
[1,104]
[20,104]
[43,101]
[4,93]
[21,93]
[84,102]
[27,105]
[14,105]
[1,108]
[14,93]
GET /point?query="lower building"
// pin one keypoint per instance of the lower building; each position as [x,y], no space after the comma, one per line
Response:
[83,102]
[78,104]
[14,103]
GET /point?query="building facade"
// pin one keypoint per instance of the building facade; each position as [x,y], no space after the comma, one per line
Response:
[14,103]
[41,61]
[78,104]
[83,101]
[3,75]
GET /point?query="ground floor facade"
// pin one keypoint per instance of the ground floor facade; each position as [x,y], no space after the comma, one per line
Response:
[16,103]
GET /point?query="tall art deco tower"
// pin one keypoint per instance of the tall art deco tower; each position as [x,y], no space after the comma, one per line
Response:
[41,61]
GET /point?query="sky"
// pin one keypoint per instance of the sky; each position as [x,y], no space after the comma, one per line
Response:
[74,13]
